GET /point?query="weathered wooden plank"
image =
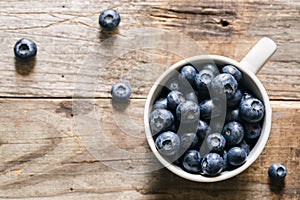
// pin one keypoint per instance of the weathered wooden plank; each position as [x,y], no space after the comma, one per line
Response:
[48,150]
[68,37]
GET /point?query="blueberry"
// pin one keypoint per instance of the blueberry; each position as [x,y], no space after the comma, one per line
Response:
[191,97]
[233,132]
[225,158]
[277,172]
[236,156]
[246,95]
[109,19]
[251,110]
[233,115]
[168,143]
[212,164]
[203,79]
[209,109]
[160,120]
[188,73]
[25,49]
[120,92]
[203,129]
[182,128]
[252,130]
[229,69]
[234,100]
[161,103]
[188,140]
[173,84]
[215,142]
[244,145]
[188,112]
[191,161]
[223,84]
[213,68]
[174,99]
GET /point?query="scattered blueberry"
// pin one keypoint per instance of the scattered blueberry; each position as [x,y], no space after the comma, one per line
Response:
[168,143]
[251,110]
[223,84]
[188,73]
[161,103]
[203,129]
[252,130]
[277,172]
[174,99]
[25,49]
[235,99]
[212,164]
[191,161]
[120,92]
[233,132]
[215,142]
[229,69]
[236,156]
[160,120]
[188,112]
[109,19]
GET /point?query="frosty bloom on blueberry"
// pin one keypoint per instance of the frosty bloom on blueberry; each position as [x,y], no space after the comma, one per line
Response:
[109,19]
[168,143]
[215,142]
[277,172]
[188,73]
[188,112]
[191,161]
[160,120]
[251,110]
[212,164]
[203,79]
[174,98]
[182,119]
[120,92]
[233,132]
[224,84]
[25,49]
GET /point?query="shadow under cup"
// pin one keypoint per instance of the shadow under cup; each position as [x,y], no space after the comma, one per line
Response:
[249,82]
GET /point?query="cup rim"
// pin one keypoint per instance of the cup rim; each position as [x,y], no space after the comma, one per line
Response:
[255,152]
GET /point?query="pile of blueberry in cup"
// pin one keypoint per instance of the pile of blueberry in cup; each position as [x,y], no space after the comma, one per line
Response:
[205,120]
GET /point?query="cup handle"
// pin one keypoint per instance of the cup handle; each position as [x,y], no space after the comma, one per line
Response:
[259,54]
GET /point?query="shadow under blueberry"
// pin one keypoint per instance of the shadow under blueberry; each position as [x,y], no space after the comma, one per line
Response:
[119,106]
[24,68]
[276,186]
[105,34]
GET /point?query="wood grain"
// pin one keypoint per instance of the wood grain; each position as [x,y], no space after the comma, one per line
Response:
[44,154]
[68,38]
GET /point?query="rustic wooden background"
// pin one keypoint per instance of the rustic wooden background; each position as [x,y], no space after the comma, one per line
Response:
[48,147]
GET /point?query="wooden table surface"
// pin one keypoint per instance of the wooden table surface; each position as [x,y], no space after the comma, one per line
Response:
[55,146]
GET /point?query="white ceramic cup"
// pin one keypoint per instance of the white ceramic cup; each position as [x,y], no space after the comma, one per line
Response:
[249,66]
